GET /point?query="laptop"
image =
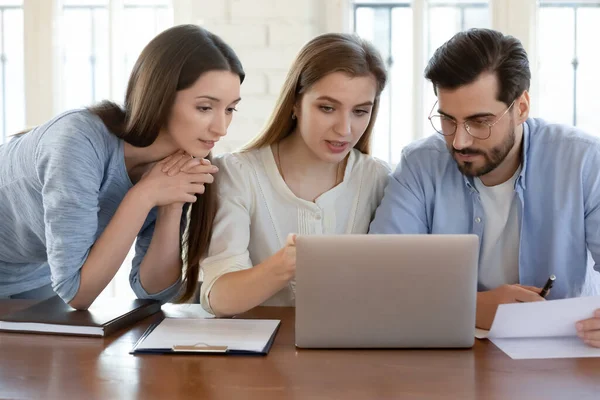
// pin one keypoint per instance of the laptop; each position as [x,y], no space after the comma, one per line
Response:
[386,291]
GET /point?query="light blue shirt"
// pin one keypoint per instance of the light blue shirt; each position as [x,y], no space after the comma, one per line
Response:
[558,189]
[60,185]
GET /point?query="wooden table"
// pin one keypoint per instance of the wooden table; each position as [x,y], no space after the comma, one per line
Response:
[60,367]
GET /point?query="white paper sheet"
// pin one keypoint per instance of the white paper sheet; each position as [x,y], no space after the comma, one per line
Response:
[236,334]
[185,311]
[545,347]
[544,329]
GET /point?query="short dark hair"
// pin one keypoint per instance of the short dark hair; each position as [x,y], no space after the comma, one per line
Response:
[462,59]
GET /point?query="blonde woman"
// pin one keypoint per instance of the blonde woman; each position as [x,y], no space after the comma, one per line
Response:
[309,172]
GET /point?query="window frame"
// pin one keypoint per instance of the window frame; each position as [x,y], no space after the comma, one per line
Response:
[117,54]
[4,134]
[575,7]
[420,56]
[514,17]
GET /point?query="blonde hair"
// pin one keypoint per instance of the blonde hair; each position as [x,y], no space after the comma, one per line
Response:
[323,55]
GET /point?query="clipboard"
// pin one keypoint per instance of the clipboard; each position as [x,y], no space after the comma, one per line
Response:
[201,347]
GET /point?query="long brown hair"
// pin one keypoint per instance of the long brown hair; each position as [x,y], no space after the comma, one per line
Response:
[172,61]
[323,55]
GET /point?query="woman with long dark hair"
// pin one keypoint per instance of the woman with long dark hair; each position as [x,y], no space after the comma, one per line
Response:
[76,191]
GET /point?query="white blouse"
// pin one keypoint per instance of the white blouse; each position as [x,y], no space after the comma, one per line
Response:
[257,211]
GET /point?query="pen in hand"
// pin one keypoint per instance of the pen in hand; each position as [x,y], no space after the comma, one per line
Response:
[545,289]
[548,286]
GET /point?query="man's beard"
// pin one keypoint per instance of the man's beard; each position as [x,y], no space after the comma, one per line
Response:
[493,158]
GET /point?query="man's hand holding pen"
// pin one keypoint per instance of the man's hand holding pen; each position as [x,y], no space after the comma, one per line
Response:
[488,302]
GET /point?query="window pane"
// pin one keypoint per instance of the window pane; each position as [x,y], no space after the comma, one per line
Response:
[365,23]
[390,30]
[588,79]
[556,51]
[85,3]
[147,3]
[444,22]
[400,82]
[477,18]
[87,53]
[77,66]
[394,128]
[568,2]
[384,2]
[446,18]
[137,36]
[100,55]
[12,86]
[457,2]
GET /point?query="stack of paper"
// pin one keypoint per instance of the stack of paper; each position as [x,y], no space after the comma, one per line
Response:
[544,329]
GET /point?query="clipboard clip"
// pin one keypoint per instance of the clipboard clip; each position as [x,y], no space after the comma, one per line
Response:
[200,348]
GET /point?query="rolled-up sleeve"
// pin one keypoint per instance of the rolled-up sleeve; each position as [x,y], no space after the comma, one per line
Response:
[70,171]
[141,247]
[591,190]
[402,209]
[228,251]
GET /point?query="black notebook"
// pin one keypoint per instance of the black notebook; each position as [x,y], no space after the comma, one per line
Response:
[104,317]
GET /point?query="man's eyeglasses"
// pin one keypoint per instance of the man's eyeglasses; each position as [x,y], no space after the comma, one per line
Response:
[479,129]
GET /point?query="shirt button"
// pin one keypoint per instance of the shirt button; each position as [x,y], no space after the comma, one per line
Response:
[318,216]
[478,220]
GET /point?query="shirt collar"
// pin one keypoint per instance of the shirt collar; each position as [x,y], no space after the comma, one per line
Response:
[525,155]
